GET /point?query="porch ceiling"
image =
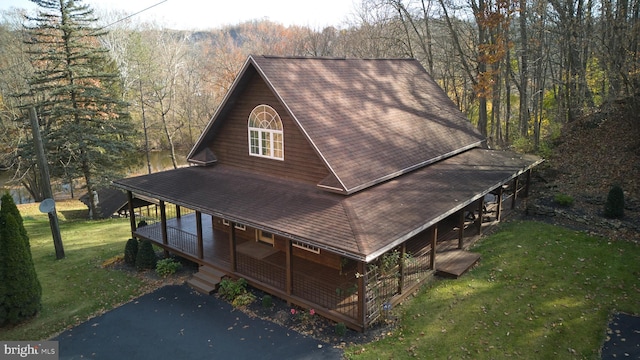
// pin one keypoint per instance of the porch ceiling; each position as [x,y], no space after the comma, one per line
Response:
[362,225]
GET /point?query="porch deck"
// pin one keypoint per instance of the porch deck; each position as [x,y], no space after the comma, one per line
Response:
[262,265]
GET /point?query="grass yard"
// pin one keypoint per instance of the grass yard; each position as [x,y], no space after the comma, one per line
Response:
[539,292]
[76,287]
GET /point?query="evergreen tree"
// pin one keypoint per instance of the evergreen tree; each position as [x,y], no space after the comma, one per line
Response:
[77,93]
[20,290]
[614,207]
[8,206]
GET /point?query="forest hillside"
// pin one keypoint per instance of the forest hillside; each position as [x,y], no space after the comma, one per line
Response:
[592,154]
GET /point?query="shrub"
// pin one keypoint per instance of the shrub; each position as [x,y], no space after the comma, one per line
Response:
[243,299]
[341,329]
[230,289]
[563,199]
[146,257]
[614,207]
[20,289]
[267,301]
[166,267]
[131,252]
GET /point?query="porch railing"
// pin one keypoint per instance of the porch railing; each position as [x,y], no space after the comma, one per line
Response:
[176,238]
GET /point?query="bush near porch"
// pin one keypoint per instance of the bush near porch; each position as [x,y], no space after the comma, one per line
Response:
[540,292]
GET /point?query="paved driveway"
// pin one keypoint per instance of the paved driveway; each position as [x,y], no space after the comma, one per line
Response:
[175,322]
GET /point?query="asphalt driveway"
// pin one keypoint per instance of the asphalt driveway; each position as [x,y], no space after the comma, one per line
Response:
[175,322]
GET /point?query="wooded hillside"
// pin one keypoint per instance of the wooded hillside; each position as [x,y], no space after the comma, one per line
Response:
[520,70]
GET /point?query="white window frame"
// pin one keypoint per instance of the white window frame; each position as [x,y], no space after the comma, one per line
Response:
[307,247]
[265,133]
[225,222]
[260,236]
[240,227]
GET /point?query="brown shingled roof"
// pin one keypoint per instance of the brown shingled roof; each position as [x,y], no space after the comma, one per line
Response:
[363,225]
[368,119]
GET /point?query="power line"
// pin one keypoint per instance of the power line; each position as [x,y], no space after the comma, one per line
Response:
[134,14]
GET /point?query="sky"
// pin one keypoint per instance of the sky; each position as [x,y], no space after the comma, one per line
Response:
[207,14]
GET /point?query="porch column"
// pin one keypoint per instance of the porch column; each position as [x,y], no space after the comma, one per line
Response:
[461,229]
[132,214]
[198,232]
[163,222]
[232,246]
[499,204]
[178,211]
[289,267]
[526,185]
[362,294]
[481,213]
[403,251]
[515,193]
[433,234]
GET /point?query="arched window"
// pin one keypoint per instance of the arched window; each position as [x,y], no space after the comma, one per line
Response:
[265,133]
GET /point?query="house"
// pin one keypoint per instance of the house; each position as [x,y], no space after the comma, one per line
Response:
[329,183]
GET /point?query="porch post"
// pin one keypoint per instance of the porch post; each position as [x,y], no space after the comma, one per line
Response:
[289,268]
[132,215]
[232,246]
[178,211]
[499,204]
[433,233]
[198,232]
[461,229]
[403,251]
[526,185]
[515,193]
[163,222]
[362,294]
[481,213]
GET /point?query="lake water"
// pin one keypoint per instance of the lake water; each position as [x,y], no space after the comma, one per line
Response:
[158,160]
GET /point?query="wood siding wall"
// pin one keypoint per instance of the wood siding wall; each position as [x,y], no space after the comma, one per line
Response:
[231,143]
[326,258]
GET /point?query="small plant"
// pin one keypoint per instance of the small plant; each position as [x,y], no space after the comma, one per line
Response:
[341,329]
[243,299]
[303,316]
[267,301]
[614,207]
[167,267]
[230,289]
[563,200]
[131,252]
[146,257]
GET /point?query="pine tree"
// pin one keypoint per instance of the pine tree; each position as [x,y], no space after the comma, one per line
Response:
[20,290]
[77,93]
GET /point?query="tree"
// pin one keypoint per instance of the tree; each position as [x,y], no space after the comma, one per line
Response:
[20,290]
[77,93]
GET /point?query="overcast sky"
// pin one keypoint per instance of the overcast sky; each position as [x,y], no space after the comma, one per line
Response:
[205,14]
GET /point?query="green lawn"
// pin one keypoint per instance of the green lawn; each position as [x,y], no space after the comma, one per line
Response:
[539,292]
[76,287]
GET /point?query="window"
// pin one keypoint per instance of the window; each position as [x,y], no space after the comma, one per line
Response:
[265,237]
[240,227]
[303,246]
[265,133]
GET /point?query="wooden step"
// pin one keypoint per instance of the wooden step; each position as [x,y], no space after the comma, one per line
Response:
[200,286]
[206,280]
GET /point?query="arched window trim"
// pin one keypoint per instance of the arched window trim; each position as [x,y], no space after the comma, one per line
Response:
[264,129]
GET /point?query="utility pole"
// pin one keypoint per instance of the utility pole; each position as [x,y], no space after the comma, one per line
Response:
[46,184]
